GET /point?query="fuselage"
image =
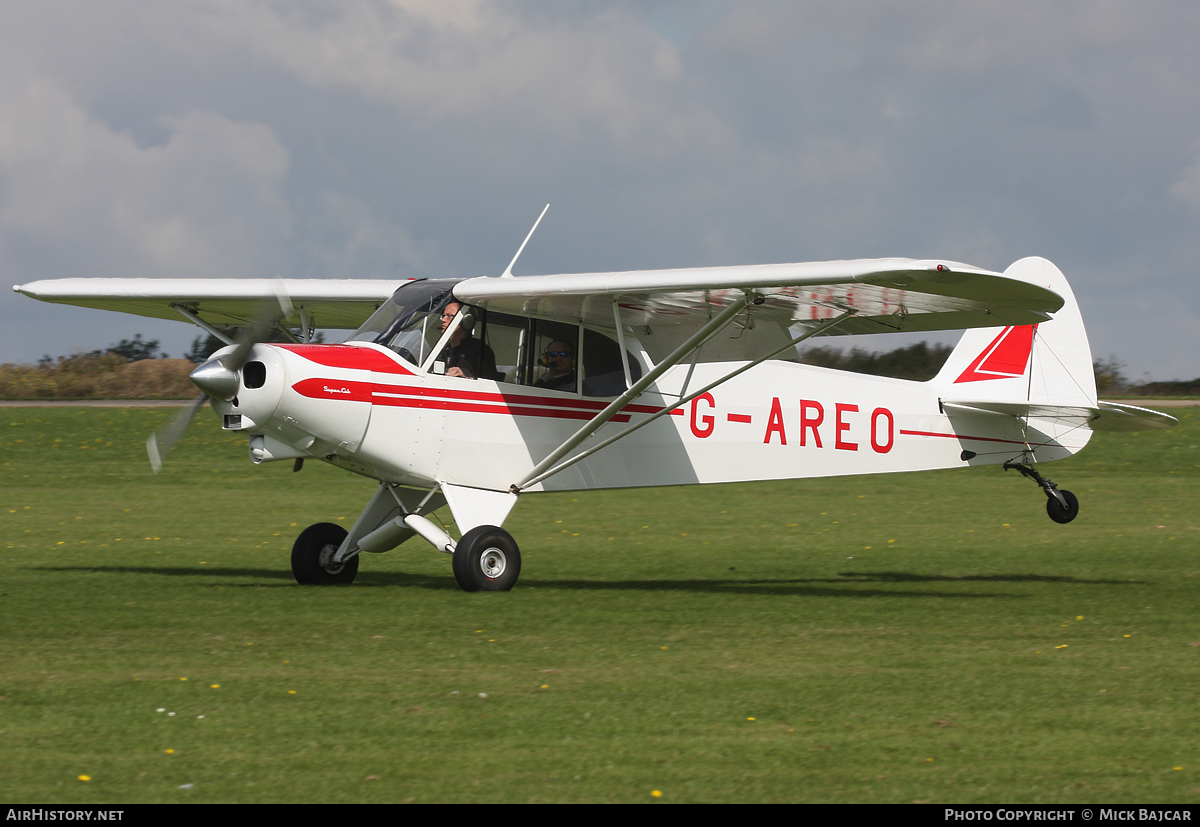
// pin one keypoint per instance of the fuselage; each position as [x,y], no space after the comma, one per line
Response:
[363,407]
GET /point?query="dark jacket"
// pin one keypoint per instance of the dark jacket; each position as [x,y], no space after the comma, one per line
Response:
[473,358]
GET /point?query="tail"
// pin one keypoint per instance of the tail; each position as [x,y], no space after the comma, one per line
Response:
[1045,364]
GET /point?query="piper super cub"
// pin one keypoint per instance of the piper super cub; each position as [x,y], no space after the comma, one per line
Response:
[471,392]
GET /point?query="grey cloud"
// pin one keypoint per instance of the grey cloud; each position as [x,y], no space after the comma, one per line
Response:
[421,138]
[205,202]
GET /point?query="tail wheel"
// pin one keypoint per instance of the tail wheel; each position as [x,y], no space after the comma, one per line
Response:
[1056,510]
[312,557]
[486,559]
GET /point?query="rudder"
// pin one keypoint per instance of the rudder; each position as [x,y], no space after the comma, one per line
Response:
[1045,364]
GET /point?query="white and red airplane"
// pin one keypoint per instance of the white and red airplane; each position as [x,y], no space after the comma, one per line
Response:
[471,392]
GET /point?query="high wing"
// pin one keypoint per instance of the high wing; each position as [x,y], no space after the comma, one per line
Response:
[867,296]
[325,303]
[883,295]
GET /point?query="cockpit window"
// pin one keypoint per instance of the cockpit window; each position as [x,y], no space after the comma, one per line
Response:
[409,322]
[556,355]
[603,374]
[513,349]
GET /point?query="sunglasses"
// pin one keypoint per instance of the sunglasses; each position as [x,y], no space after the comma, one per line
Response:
[555,354]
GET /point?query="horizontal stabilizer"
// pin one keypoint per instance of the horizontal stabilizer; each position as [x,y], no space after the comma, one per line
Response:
[1115,416]
[1107,416]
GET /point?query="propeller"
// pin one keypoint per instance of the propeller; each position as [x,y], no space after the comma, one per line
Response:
[218,377]
[162,441]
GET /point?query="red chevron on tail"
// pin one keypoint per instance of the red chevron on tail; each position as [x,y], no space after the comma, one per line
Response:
[1006,357]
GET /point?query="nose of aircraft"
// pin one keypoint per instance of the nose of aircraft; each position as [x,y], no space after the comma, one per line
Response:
[216,380]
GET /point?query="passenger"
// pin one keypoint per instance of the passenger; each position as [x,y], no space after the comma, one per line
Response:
[559,360]
[465,356]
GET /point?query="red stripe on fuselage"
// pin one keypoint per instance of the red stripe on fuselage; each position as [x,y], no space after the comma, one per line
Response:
[344,356]
[415,396]
[472,407]
[510,398]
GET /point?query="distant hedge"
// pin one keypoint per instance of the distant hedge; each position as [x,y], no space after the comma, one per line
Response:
[1160,389]
[98,376]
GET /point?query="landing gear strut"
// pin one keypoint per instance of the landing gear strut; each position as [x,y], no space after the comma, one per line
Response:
[1061,505]
[485,559]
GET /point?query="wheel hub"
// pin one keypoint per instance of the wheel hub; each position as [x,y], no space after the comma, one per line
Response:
[326,560]
[492,562]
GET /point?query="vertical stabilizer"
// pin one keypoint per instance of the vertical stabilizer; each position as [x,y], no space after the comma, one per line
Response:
[1045,364]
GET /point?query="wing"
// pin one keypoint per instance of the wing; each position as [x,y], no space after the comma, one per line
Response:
[326,303]
[886,295]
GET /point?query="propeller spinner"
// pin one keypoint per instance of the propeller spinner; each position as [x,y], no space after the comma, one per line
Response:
[218,378]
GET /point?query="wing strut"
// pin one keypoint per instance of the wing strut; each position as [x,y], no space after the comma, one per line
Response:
[537,477]
[621,341]
[205,326]
[696,339]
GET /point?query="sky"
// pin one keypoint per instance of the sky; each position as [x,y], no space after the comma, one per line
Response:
[421,138]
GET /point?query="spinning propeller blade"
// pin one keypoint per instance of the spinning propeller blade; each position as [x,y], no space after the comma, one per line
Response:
[162,441]
[266,318]
[218,377]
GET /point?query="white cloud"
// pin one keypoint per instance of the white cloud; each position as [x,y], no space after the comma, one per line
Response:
[207,202]
[342,237]
[486,63]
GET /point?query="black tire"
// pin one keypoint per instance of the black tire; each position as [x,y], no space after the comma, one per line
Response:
[486,559]
[1057,512]
[306,557]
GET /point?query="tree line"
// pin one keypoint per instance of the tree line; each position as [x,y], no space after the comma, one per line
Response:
[137,368]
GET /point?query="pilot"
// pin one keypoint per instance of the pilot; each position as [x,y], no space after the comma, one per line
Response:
[464,355]
[559,359]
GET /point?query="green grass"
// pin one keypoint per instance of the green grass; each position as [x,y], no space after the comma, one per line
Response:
[925,637]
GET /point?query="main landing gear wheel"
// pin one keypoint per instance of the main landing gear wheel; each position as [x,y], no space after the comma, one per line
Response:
[486,559]
[1056,511]
[312,557]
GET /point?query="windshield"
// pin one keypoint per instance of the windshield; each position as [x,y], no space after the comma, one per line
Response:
[409,322]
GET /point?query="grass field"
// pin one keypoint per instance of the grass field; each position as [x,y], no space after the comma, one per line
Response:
[926,637]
